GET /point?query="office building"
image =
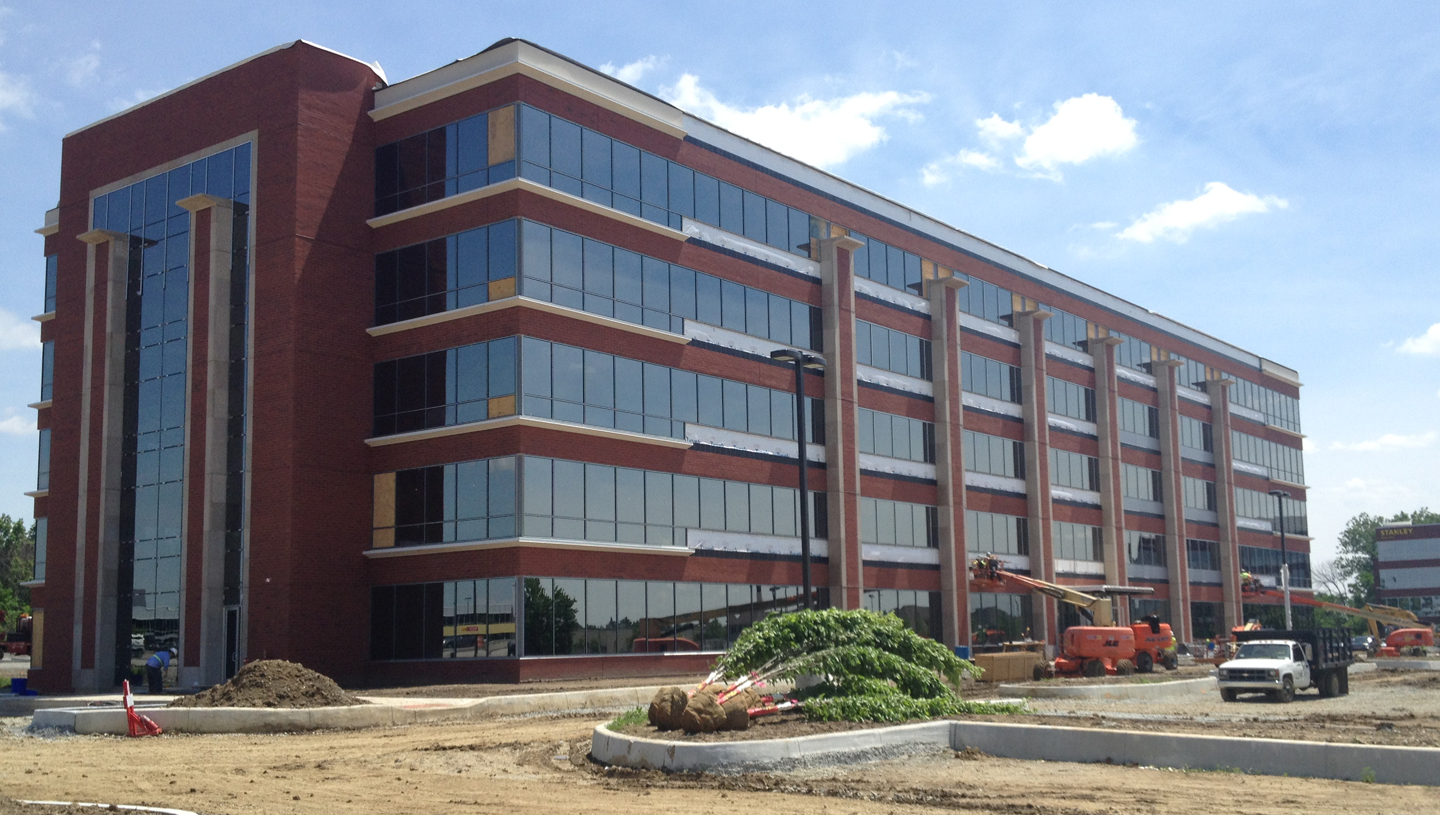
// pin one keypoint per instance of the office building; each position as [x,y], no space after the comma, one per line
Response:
[468,377]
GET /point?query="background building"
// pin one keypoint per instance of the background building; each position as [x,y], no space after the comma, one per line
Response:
[1408,573]
[468,377]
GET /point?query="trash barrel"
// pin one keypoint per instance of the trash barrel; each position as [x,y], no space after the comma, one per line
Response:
[17,686]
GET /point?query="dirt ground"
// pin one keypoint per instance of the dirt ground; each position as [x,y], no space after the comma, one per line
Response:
[538,765]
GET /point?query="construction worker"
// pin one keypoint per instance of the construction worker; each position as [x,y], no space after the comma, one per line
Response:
[155,668]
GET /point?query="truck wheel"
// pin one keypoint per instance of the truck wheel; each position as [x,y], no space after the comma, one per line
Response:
[1125,667]
[1042,670]
[1170,660]
[1228,694]
[1093,668]
[1417,651]
[1329,685]
[1344,681]
[1144,663]
[1286,694]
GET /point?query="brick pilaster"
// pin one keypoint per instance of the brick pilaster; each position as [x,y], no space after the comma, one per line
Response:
[1219,390]
[842,458]
[949,458]
[1107,423]
[1173,496]
[1031,325]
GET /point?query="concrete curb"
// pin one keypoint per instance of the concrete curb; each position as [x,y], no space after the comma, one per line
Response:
[1348,762]
[387,712]
[609,747]
[1155,690]
[1406,664]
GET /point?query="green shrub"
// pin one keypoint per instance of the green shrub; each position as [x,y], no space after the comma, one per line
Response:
[874,668]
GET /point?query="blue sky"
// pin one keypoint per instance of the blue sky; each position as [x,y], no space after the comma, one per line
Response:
[1266,173]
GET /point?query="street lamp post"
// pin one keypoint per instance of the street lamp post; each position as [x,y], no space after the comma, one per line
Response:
[801,361]
[1280,496]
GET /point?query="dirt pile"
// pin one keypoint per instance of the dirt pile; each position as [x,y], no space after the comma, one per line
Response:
[273,683]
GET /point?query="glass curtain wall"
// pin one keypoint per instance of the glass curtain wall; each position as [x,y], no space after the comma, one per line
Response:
[155,385]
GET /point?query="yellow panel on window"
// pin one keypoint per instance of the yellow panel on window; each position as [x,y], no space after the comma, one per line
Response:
[502,135]
[837,231]
[500,289]
[383,538]
[502,406]
[384,497]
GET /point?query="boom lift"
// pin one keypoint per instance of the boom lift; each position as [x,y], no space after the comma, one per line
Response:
[1406,634]
[1090,650]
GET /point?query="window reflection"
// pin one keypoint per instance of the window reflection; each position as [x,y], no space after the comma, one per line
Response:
[885,434]
[1077,541]
[1074,470]
[994,455]
[566,269]
[476,619]
[897,523]
[989,377]
[1069,399]
[1144,548]
[891,350]
[996,534]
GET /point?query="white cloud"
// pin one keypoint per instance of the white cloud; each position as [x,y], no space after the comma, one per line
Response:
[1218,204]
[632,72]
[1389,441]
[823,132]
[1083,128]
[16,98]
[994,130]
[1427,343]
[18,333]
[84,68]
[17,426]
[120,103]
[938,172]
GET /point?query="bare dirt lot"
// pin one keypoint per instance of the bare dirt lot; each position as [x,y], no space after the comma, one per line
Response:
[538,764]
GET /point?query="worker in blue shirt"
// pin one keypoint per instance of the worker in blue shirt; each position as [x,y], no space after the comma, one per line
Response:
[155,668]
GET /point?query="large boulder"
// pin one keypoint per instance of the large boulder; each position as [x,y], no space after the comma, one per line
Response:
[667,708]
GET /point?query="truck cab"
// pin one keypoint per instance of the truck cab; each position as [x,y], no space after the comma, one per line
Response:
[1280,663]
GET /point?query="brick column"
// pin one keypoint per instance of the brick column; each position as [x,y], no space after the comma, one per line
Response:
[97,574]
[1173,496]
[202,632]
[842,457]
[1031,325]
[1107,423]
[1234,611]
[949,458]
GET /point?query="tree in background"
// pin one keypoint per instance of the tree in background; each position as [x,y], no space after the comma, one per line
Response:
[1355,563]
[17,565]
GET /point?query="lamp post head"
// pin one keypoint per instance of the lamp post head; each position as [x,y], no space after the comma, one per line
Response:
[786,355]
[1280,493]
[813,362]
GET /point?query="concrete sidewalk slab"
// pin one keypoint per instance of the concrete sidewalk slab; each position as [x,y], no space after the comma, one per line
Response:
[1128,690]
[1406,664]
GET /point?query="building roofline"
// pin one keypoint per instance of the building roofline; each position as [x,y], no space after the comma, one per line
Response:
[374,66]
[845,192]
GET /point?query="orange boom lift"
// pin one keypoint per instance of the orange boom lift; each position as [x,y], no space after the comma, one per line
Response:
[1090,650]
[1405,637]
